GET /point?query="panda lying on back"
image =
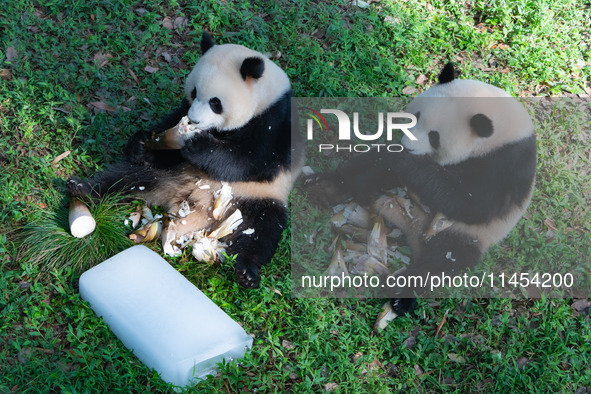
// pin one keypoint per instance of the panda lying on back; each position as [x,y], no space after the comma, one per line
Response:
[241,103]
[474,161]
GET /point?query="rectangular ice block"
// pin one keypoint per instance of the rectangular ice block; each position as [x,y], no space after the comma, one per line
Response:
[167,322]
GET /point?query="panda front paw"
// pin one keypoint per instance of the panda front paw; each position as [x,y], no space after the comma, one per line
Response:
[322,189]
[392,309]
[247,275]
[135,150]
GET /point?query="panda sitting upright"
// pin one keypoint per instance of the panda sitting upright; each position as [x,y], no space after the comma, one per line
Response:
[473,161]
[240,103]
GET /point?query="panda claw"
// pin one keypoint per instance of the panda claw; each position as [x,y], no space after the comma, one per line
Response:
[78,188]
[247,277]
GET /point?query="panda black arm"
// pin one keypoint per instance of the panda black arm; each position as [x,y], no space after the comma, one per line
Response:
[135,151]
[257,151]
[476,190]
[256,240]
[473,191]
[225,162]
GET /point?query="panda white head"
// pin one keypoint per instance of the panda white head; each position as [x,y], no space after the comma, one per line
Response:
[460,119]
[231,84]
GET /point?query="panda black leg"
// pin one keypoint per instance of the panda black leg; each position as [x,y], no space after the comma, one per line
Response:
[123,178]
[392,309]
[446,252]
[403,306]
[256,239]
[361,178]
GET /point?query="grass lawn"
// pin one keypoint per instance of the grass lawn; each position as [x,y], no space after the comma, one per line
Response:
[77,79]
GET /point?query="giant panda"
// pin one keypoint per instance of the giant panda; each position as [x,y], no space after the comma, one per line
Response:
[240,101]
[473,161]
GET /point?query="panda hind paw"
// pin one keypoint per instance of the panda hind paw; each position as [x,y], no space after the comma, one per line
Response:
[247,276]
[392,309]
[78,187]
[321,189]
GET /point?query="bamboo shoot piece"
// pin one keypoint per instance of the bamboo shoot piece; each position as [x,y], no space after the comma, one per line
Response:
[173,138]
[81,222]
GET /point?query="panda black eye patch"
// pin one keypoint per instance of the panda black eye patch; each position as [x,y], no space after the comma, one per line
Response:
[434,139]
[216,105]
[193,93]
[481,125]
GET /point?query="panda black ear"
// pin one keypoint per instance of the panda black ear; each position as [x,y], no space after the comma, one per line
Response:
[481,125]
[206,42]
[448,73]
[252,67]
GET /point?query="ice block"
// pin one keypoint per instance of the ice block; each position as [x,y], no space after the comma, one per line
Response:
[169,324]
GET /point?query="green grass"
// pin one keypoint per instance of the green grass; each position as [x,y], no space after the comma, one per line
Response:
[46,242]
[58,59]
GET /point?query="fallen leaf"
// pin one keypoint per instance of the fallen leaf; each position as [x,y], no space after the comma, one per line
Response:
[151,69]
[11,54]
[135,78]
[496,355]
[409,90]
[441,323]
[330,386]
[392,20]
[100,105]
[550,223]
[24,285]
[581,305]
[360,3]
[421,79]
[6,74]
[60,157]
[24,354]
[375,364]
[180,21]
[167,23]
[456,358]
[502,46]
[409,342]
[522,362]
[101,59]
[418,370]
[287,344]
[46,351]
